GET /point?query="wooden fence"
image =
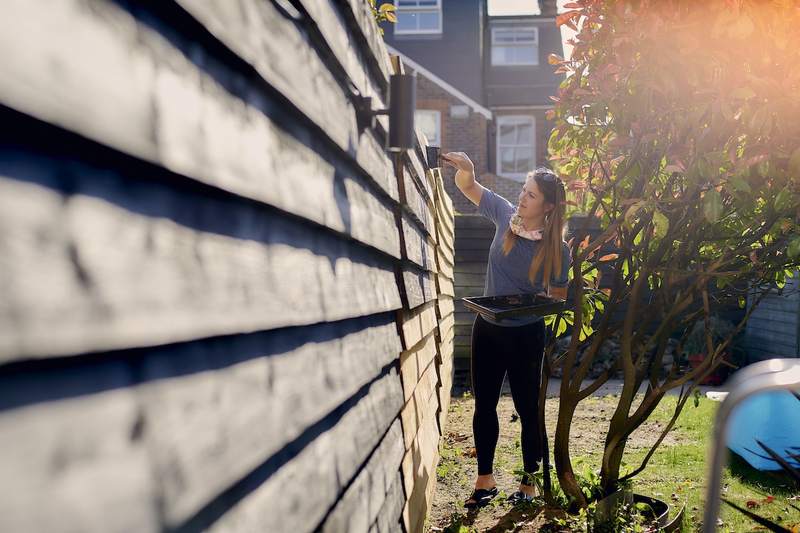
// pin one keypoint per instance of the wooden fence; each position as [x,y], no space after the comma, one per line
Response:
[474,234]
[773,330]
[225,305]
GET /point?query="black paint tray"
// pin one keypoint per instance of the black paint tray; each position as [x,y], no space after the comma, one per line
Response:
[514,305]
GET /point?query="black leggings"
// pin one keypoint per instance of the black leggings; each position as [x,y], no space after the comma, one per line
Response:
[495,350]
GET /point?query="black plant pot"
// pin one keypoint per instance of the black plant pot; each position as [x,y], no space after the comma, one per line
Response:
[608,506]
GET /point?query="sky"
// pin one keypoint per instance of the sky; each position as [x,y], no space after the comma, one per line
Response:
[513,7]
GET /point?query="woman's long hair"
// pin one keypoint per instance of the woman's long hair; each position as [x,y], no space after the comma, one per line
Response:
[549,253]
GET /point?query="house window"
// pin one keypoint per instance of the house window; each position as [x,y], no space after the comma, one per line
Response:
[515,45]
[418,17]
[430,122]
[516,145]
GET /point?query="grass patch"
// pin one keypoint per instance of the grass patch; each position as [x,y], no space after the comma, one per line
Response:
[676,473]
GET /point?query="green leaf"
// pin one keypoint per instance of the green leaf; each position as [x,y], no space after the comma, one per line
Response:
[632,210]
[633,170]
[783,200]
[661,223]
[742,302]
[794,163]
[599,305]
[740,184]
[712,205]
[760,119]
[562,327]
[794,248]
[705,168]
[586,330]
[637,240]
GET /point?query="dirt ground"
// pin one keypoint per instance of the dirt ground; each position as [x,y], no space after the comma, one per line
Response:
[458,467]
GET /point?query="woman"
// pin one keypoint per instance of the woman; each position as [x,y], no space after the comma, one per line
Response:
[528,247]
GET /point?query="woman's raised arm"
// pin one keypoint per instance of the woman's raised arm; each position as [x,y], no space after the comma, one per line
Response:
[465,175]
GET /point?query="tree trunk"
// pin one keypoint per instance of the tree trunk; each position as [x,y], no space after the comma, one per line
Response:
[615,442]
[609,471]
[566,475]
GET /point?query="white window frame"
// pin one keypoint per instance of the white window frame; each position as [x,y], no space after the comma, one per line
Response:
[400,9]
[501,119]
[438,120]
[533,62]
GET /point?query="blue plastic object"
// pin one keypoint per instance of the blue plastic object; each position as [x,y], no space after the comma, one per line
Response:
[773,418]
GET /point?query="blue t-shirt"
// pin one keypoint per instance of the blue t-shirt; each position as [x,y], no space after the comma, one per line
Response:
[509,274]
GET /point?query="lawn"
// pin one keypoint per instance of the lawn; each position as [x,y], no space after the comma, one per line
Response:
[676,473]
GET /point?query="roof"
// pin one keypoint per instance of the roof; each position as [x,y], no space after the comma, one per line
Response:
[478,108]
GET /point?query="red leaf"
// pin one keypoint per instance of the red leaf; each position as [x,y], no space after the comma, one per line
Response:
[566,18]
[573,5]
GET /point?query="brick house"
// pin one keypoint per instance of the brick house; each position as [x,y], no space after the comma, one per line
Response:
[483,84]
[483,88]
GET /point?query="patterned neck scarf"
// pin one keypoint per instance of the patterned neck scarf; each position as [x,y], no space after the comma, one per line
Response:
[516,226]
